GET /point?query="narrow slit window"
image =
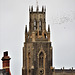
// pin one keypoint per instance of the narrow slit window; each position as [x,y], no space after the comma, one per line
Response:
[40,25]
[35,25]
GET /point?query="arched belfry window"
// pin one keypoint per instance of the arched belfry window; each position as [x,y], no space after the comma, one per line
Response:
[35,24]
[41,60]
[40,25]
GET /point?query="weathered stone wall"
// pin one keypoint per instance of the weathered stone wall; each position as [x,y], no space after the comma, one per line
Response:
[45,47]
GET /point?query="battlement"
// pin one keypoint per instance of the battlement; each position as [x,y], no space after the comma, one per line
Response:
[37,9]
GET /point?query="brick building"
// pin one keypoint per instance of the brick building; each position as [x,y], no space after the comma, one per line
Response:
[6,64]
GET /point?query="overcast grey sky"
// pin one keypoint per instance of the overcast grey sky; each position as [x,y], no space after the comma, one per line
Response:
[60,14]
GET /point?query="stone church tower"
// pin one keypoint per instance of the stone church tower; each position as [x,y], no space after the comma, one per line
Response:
[37,50]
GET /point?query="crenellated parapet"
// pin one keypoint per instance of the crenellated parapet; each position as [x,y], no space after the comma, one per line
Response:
[63,71]
[37,9]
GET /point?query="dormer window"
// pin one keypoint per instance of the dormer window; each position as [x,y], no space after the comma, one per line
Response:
[35,25]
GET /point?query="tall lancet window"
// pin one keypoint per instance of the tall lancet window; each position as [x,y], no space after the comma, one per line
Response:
[35,25]
[40,25]
[29,62]
[41,60]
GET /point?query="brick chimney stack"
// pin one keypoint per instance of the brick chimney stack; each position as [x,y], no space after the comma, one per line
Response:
[6,62]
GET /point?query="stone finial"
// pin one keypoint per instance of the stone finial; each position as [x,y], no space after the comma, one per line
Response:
[72,68]
[26,29]
[63,68]
[31,8]
[45,8]
[48,28]
[37,8]
[42,9]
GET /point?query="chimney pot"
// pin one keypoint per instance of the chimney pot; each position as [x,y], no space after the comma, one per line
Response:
[6,53]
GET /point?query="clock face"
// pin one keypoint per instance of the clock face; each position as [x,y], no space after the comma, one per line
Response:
[41,72]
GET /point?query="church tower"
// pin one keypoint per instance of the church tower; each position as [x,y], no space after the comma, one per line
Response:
[37,50]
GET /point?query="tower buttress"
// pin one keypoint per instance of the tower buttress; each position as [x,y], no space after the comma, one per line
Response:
[48,28]
[25,32]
